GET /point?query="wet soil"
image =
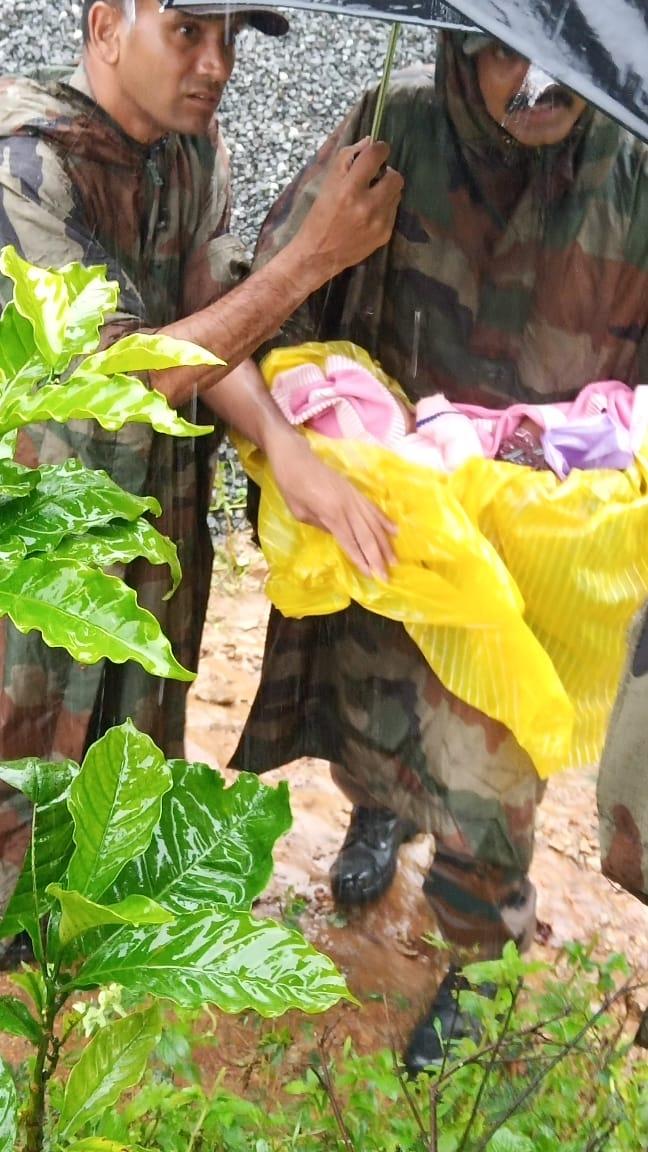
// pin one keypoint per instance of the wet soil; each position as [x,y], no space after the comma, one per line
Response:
[389,966]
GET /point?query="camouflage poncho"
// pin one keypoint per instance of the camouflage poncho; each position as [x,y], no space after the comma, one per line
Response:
[73,186]
[512,275]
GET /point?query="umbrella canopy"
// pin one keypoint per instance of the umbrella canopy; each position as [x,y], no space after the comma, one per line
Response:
[597,47]
[431,12]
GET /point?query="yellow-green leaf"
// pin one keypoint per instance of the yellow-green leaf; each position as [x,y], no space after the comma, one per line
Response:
[78,914]
[145,352]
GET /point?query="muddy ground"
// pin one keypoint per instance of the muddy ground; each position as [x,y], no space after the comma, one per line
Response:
[388,965]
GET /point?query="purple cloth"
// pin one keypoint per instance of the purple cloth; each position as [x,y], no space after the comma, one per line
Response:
[594,442]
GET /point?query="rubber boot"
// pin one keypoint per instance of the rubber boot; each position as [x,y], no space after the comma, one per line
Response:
[366,863]
[426,1045]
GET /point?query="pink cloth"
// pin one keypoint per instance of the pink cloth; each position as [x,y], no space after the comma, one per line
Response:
[445,437]
[344,402]
[604,427]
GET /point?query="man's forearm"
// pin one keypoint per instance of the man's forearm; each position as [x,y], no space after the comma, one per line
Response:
[242,400]
[234,326]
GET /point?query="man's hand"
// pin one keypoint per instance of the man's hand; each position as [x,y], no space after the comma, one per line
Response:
[353,215]
[317,495]
[355,210]
[314,493]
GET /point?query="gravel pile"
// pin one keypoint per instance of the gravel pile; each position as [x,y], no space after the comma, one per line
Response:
[284,98]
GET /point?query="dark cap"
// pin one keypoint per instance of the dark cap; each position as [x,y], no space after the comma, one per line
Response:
[260,16]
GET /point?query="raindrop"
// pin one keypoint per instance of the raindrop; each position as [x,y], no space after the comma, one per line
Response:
[416,339]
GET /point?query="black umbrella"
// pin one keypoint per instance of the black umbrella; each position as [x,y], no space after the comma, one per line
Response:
[597,47]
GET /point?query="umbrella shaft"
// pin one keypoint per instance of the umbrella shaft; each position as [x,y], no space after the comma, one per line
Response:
[384,83]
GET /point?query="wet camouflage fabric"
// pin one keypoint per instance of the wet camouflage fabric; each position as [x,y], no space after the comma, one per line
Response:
[512,275]
[623,777]
[73,186]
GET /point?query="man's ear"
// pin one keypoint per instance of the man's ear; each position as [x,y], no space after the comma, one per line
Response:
[106,26]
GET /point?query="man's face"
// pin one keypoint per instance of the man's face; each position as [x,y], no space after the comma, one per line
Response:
[534,113]
[172,68]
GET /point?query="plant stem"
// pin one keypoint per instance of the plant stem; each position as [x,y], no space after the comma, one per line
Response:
[434,1117]
[197,1127]
[324,1076]
[35,1112]
[38,941]
[409,1099]
[515,993]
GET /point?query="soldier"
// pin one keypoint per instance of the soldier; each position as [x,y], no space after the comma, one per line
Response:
[517,271]
[122,164]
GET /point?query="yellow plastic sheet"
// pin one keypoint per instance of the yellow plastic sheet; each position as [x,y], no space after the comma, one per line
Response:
[518,588]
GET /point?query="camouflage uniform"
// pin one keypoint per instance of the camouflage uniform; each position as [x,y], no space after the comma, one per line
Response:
[623,776]
[512,275]
[73,186]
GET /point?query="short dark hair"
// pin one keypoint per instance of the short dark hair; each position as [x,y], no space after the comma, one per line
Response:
[85,12]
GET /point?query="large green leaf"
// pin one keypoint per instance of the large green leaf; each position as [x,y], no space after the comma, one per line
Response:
[17,346]
[32,982]
[114,1060]
[17,1020]
[79,482]
[8,441]
[218,956]
[115,803]
[144,352]
[79,915]
[41,297]
[110,400]
[16,482]
[121,543]
[212,845]
[39,780]
[8,1110]
[47,785]
[89,613]
[91,298]
[67,499]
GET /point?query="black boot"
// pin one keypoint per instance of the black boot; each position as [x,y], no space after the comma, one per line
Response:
[18,951]
[366,863]
[425,1047]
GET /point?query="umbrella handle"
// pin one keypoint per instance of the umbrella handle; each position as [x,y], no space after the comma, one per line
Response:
[384,82]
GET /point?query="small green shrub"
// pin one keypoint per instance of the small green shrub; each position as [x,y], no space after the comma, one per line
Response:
[555,1073]
[62,524]
[141,873]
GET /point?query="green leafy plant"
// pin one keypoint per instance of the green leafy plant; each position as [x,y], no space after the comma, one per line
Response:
[141,873]
[62,525]
[555,1070]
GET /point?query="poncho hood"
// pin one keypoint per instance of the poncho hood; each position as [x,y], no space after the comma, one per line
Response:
[57,105]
